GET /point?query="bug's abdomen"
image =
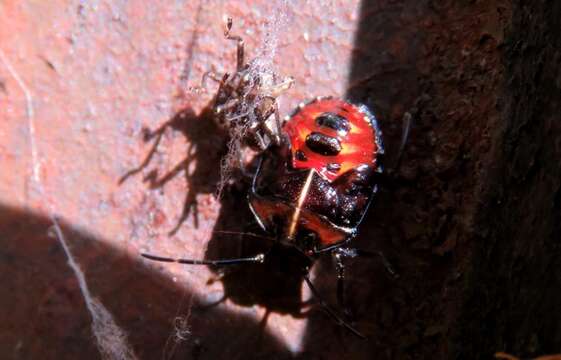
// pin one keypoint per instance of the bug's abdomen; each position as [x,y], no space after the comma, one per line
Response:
[333,136]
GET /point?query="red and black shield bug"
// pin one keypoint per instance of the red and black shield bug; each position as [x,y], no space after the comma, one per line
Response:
[326,171]
[313,190]
[246,103]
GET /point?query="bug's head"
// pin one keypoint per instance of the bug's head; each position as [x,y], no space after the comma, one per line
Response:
[302,229]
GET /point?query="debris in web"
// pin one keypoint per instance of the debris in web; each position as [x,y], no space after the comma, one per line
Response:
[263,82]
[111,340]
[181,333]
[181,330]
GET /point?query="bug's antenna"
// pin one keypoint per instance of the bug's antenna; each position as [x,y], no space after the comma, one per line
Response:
[406,128]
[259,258]
[336,317]
[257,236]
[257,171]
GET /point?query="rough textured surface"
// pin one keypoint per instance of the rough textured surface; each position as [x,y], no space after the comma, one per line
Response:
[106,75]
[451,84]
[513,304]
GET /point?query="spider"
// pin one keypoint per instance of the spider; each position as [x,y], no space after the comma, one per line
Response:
[246,104]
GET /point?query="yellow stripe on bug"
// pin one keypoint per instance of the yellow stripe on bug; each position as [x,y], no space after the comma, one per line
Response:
[301,199]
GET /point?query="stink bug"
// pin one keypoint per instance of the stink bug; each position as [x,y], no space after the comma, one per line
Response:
[312,191]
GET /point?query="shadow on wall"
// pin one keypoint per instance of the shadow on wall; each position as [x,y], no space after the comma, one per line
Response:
[44,315]
[207,146]
[515,285]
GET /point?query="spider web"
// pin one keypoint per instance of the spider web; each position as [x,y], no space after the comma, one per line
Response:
[110,339]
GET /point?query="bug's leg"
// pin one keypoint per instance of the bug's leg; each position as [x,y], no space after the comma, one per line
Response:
[261,143]
[389,178]
[353,252]
[227,106]
[240,43]
[259,258]
[340,267]
[336,317]
[406,127]
[387,265]
[407,121]
[275,138]
[278,123]
[210,74]
[262,327]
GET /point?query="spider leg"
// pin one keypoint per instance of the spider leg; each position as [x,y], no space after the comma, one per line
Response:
[227,106]
[240,45]
[211,74]
[259,139]
[275,137]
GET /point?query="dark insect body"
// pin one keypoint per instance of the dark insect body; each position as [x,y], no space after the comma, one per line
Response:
[313,189]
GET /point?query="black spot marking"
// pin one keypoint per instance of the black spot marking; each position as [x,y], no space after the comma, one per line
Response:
[333,166]
[323,144]
[300,156]
[334,121]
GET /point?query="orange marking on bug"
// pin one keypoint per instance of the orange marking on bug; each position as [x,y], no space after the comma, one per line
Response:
[349,149]
[355,129]
[358,144]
